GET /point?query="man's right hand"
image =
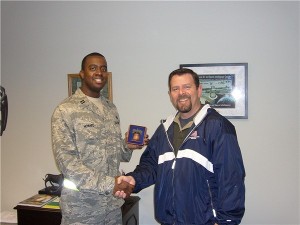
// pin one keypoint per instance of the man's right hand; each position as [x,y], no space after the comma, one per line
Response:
[124,186]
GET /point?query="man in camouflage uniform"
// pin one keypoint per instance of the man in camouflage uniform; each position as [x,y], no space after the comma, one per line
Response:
[88,147]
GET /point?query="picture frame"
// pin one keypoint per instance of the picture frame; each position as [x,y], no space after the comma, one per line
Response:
[74,82]
[224,87]
[136,134]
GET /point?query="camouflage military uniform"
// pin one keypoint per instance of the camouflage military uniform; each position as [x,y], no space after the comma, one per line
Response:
[88,148]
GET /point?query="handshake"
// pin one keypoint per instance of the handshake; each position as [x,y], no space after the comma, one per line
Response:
[124,186]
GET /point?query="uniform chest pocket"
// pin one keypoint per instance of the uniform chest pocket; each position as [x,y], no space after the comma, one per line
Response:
[88,132]
[113,124]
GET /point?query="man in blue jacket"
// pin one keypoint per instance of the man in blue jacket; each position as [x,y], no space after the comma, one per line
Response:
[194,160]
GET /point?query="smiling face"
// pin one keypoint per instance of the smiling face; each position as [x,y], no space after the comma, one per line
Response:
[184,95]
[93,75]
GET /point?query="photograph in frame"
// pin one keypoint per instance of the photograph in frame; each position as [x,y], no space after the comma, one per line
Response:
[74,82]
[224,87]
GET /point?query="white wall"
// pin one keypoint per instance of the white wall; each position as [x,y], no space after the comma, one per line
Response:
[143,42]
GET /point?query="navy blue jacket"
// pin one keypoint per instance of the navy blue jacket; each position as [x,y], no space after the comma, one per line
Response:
[204,184]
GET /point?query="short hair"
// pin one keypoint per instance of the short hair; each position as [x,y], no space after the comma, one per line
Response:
[182,71]
[91,54]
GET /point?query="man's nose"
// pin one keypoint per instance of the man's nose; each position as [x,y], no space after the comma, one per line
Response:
[98,70]
[181,91]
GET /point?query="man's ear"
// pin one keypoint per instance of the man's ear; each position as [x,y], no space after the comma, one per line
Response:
[81,74]
[169,93]
[200,90]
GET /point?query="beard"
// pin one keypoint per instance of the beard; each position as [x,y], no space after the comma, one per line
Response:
[186,107]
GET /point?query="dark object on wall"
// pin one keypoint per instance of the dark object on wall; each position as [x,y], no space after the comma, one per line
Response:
[53,184]
[4,109]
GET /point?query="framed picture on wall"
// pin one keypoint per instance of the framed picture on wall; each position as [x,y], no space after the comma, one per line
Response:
[224,87]
[74,82]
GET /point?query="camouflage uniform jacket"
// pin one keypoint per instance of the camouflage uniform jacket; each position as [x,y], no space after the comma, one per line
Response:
[88,148]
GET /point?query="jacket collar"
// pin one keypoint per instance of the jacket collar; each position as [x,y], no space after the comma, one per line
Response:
[197,119]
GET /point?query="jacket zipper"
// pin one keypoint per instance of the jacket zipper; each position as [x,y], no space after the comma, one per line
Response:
[211,201]
[173,168]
